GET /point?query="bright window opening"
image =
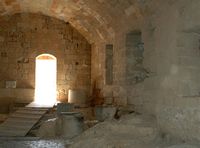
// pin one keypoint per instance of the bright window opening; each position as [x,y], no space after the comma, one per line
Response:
[45,85]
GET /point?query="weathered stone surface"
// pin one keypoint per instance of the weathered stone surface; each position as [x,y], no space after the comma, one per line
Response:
[66,125]
[170,32]
[105,112]
[44,131]
[183,146]
[131,131]
[9,2]
[28,35]
[33,143]
[72,125]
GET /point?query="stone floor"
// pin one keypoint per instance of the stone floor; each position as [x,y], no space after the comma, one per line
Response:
[130,131]
[33,143]
[65,144]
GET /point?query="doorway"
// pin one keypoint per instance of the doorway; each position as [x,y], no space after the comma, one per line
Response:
[45,80]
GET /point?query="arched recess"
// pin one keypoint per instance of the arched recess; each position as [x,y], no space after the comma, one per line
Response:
[45,79]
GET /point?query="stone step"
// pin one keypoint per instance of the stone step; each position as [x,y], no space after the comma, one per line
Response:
[21,121]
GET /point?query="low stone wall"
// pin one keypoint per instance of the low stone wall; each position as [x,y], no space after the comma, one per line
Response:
[18,95]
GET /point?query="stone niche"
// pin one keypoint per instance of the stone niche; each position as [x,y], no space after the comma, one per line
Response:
[24,36]
[109,65]
[135,71]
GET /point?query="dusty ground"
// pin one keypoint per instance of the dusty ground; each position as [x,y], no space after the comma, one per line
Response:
[65,144]
[33,143]
[130,131]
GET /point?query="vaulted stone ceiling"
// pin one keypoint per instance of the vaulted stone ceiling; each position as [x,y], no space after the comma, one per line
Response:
[97,20]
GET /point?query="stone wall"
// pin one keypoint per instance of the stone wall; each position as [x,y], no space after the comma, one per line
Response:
[178,98]
[170,33]
[25,36]
[171,53]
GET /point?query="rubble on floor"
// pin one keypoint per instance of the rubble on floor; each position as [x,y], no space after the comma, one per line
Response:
[104,112]
[65,125]
[183,146]
[44,131]
[131,130]
[112,128]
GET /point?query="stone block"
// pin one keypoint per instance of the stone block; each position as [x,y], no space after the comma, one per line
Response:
[64,107]
[102,113]
[72,125]
[9,2]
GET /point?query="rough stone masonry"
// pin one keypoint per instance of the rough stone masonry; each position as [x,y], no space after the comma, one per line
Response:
[25,36]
